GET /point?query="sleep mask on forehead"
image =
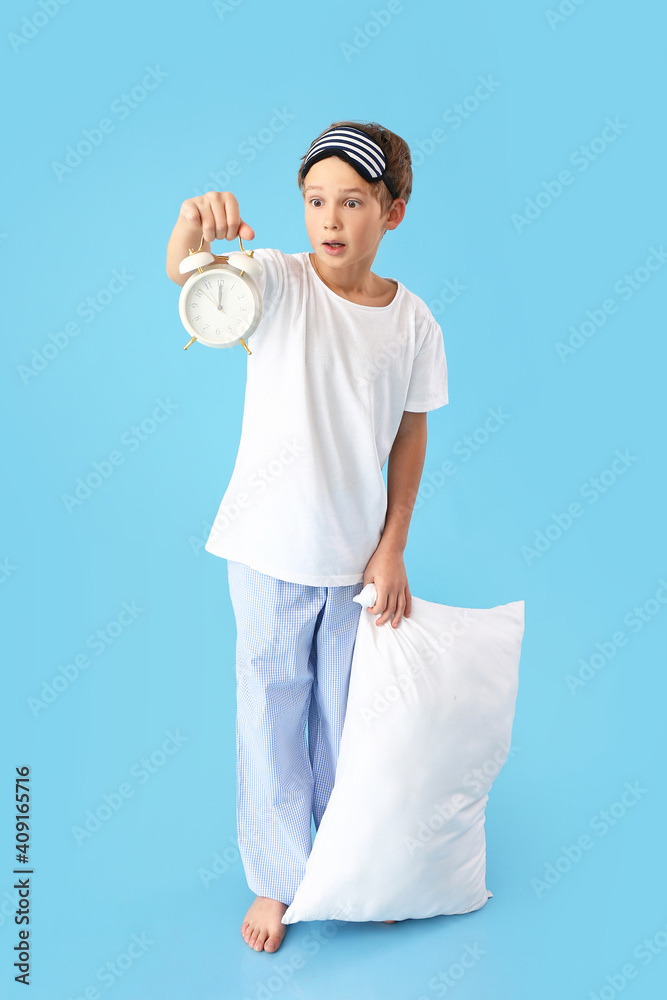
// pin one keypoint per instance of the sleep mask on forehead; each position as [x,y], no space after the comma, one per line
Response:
[356,148]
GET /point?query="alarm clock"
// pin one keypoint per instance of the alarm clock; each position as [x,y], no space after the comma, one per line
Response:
[220,304]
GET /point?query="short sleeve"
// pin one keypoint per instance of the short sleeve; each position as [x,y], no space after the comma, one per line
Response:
[271,281]
[428,389]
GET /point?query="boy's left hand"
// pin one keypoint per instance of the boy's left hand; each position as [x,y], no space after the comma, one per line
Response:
[386,570]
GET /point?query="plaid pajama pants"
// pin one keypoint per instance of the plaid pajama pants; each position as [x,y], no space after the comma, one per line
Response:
[294,651]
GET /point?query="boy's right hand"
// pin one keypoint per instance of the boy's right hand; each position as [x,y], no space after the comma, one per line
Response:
[216,215]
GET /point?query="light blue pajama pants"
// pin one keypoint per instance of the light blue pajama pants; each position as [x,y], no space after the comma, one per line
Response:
[294,651]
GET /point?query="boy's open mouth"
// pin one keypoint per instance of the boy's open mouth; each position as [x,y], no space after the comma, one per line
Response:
[333,246]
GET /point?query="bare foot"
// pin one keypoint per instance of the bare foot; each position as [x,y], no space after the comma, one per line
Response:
[262,927]
[388,921]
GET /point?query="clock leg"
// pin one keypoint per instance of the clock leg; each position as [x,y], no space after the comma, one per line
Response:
[191,341]
[242,341]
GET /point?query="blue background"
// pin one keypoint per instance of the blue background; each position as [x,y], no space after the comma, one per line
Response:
[138,537]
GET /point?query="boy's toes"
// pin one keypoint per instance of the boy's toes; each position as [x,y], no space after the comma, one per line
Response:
[273,942]
[258,943]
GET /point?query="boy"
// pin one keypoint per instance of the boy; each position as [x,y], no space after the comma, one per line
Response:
[344,366]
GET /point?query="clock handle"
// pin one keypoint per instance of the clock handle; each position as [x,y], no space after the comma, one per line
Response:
[248,253]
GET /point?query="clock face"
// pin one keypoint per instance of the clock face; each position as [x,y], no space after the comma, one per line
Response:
[220,306]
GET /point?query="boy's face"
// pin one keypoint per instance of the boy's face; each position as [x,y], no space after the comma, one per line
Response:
[340,206]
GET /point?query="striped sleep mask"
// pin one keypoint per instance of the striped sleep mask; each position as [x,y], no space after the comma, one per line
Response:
[356,148]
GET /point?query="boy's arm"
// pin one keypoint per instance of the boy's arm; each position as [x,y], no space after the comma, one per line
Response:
[386,568]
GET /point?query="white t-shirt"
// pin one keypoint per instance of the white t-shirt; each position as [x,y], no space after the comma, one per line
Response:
[327,383]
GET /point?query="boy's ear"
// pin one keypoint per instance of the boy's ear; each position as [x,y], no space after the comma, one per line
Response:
[400,208]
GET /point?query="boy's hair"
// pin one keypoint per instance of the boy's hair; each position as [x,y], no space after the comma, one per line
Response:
[397,155]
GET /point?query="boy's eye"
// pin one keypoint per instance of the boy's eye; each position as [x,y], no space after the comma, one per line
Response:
[349,200]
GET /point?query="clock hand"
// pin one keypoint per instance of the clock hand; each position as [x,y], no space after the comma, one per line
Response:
[208,297]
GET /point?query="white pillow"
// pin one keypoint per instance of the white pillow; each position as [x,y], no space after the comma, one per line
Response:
[428,727]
